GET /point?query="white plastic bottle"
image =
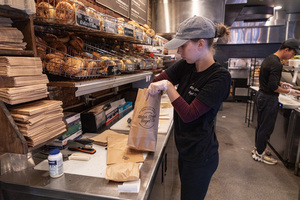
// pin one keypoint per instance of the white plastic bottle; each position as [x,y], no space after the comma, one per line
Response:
[55,160]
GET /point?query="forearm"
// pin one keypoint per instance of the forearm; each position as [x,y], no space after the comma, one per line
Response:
[282,90]
[172,92]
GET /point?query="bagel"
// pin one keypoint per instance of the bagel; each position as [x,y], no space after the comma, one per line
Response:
[49,38]
[120,29]
[150,32]
[54,66]
[40,42]
[45,12]
[79,6]
[64,37]
[59,46]
[51,56]
[146,26]
[47,1]
[65,13]
[77,43]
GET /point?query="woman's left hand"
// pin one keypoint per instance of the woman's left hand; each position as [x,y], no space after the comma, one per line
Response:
[156,87]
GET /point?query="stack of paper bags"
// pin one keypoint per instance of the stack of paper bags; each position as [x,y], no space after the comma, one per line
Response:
[122,162]
[10,38]
[21,79]
[39,121]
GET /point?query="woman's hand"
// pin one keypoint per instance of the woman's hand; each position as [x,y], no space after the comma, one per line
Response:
[156,87]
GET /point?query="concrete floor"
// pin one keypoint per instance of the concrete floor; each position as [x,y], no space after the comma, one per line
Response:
[238,176]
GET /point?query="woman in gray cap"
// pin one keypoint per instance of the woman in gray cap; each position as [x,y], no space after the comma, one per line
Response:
[203,85]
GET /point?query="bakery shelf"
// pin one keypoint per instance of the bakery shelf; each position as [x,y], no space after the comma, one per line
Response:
[87,32]
[91,86]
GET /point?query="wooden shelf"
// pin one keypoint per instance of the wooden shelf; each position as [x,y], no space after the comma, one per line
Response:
[29,53]
[7,11]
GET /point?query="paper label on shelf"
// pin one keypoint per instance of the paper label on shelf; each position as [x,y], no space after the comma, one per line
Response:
[128,32]
[86,21]
[138,35]
[110,27]
[147,40]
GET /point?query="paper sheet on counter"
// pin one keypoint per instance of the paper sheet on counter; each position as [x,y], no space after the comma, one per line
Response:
[95,167]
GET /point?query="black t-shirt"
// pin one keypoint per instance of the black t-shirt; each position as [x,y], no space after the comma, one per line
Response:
[196,140]
[270,74]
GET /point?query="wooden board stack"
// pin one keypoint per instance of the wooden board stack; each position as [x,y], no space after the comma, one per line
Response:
[21,79]
[10,38]
[39,121]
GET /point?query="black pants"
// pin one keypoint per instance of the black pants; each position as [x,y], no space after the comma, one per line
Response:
[267,108]
[195,178]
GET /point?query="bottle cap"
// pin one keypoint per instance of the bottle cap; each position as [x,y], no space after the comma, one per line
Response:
[54,152]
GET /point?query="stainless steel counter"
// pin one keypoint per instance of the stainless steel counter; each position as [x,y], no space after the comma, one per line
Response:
[34,184]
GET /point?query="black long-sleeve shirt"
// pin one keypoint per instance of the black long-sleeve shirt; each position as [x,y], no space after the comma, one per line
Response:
[270,75]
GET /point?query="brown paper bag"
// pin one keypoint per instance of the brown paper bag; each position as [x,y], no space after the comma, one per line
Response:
[144,123]
[123,172]
[119,152]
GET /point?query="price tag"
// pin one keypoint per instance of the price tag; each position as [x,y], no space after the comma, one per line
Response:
[148,40]
[110,27]
[138,35]
[128,32]
[86,21]
[154,42]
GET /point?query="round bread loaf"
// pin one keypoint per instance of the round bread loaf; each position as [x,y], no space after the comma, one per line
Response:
[74,66]
[65,13]
[45,12]
[55,66]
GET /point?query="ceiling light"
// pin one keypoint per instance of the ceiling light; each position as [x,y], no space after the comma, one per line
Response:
[277,7]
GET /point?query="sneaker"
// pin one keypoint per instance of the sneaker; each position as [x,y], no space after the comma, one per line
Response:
[268,153]
[264,158]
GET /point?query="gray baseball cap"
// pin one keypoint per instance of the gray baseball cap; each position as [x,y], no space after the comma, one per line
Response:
[192,28]
[293,44]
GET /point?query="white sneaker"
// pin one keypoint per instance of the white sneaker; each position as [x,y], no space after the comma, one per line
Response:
[264,158]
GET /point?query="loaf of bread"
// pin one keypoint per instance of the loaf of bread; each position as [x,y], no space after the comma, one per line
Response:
[74,66]
[55,66]
[77,43]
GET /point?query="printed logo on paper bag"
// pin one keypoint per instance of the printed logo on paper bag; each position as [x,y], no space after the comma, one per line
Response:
[147,117]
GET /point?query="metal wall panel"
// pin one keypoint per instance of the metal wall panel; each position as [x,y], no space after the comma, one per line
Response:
[168,14]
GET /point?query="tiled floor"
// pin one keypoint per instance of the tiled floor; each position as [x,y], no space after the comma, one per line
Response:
[238,176]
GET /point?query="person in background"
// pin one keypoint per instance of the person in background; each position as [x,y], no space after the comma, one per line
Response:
[203,85]
[267,97]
